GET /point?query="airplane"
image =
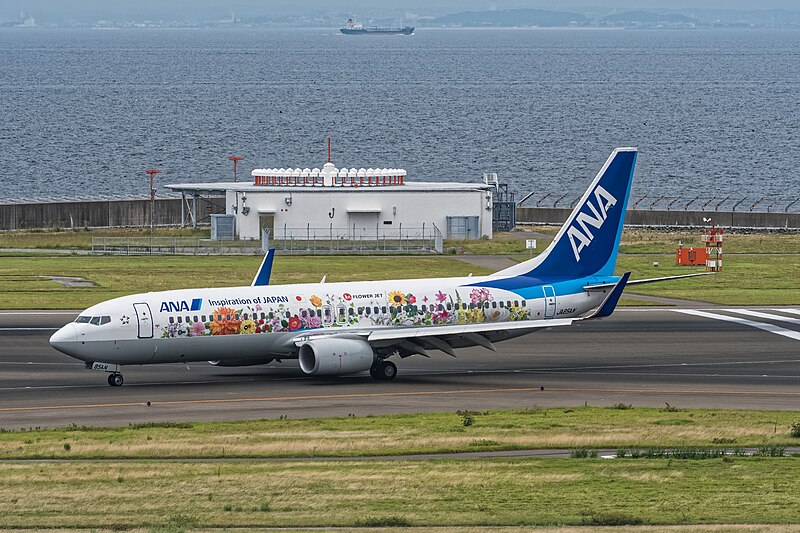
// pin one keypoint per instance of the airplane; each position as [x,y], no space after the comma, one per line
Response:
[350,327]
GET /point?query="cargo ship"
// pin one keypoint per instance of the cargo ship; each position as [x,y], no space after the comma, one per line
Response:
[356,28]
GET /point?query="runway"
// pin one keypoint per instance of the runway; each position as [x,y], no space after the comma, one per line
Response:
[717,357]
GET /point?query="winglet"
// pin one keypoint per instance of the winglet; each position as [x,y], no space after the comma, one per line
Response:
[610,303]
[264,271]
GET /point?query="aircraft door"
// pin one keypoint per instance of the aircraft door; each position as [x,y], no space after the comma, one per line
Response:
[144,319]
[549,301]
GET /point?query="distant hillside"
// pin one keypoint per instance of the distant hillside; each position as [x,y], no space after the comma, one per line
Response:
[646,18]
[511,18]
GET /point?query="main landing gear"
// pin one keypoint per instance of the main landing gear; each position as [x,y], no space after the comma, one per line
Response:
[383,370]
[115,379]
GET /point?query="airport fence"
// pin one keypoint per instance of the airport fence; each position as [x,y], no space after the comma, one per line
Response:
[309,240]
[173,246]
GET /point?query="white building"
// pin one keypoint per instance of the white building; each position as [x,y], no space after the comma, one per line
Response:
[360,201]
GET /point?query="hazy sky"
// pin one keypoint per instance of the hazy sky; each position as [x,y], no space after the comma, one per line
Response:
[218,8]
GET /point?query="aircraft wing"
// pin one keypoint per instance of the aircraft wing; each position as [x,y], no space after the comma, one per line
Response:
[416,340]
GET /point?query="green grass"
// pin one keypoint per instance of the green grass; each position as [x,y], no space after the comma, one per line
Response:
[744,280]
[81,239]
[582,427]
[447,493]
[22,288]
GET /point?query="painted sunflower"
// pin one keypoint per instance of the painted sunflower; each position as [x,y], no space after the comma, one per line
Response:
[397,298]
[247,326]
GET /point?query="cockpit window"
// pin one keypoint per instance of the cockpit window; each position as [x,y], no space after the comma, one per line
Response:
[93,320]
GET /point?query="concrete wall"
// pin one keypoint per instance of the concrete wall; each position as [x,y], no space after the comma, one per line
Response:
[100,213]
[639,217]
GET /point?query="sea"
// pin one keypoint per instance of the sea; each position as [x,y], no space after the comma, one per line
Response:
[715,113]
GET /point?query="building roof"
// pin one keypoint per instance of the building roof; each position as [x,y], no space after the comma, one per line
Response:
[409,186]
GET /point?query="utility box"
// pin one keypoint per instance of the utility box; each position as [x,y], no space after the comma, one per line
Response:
[223,227]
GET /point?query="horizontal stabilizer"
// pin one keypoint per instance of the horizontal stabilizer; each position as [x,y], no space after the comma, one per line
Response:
[605,286]
[610,302]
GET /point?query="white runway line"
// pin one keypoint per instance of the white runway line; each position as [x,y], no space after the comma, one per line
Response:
[792,311]
[777,330]
[765,316]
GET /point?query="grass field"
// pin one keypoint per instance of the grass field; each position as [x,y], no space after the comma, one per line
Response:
[449,493]
[593,427]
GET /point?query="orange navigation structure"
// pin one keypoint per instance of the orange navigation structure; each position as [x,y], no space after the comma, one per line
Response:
[710,256]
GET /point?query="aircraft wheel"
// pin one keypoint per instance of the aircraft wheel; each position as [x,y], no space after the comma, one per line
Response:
[384,371]
[115,380]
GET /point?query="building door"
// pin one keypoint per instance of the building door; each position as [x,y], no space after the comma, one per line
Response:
[549,301]
[266,221]
[362,225]
[144,319]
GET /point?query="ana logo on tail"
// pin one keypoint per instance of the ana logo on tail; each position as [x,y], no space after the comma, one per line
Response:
[581,238]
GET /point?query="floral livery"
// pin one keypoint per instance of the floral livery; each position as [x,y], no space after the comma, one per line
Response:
[336,311]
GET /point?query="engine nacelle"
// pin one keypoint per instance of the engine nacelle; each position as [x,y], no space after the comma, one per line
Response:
[241,362]
[334,357]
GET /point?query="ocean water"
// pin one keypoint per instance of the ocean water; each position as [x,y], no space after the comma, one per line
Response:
[715,113]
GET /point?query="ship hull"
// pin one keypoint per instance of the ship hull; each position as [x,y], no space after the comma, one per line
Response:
[408,30]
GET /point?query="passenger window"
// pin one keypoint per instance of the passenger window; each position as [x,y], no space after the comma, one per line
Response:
[171,320]
[494,305]
[523,303]
[263,316]
[245,315]
[383,309]
[236,316]
[195,318]
[367,311]
[288,314]
[180,321]
[375,310]
[188,320]
[360,310]
[449,306]
[304,313]
[105,320]
[352,312]
[270,315]
[516,303]
[204,318]
[501,305]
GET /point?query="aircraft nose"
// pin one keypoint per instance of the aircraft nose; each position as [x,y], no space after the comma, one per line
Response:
[64,338]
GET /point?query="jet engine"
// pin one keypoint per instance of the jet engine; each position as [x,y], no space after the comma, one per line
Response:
[241,362]
[334,357]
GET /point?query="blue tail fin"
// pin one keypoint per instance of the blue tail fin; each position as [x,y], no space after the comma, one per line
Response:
[588,241]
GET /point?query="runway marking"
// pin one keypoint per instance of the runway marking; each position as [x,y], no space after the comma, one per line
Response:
[792,311]
[58,313]
[777,330]
[29,329]
[765,316]
[401,394]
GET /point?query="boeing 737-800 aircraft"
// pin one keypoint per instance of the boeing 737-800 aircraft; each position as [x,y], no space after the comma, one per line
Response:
[345,328]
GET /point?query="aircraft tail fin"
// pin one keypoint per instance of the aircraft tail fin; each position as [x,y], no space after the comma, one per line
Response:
[588,242]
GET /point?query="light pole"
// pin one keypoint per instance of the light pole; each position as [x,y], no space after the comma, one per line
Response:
[235,159]
[152,173]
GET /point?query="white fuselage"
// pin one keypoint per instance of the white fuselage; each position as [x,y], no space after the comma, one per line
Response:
[261,323]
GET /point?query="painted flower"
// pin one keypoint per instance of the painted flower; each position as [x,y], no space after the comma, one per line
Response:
[294,323]
[316,301]
[480,295]
[224,322]
[441,297]
[411,299]
[314,322]
[198,329]
[441,317]
[247,326]
[425,299]
[397,298]
[476,315]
